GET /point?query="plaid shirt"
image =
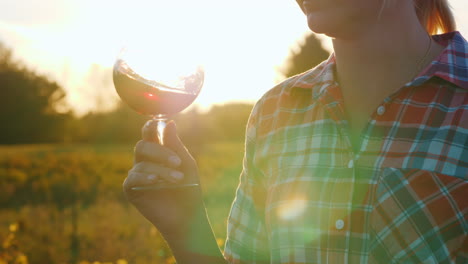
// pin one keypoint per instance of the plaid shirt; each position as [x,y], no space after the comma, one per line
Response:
[306,197]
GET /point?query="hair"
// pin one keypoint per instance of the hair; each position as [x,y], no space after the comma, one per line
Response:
[435,15]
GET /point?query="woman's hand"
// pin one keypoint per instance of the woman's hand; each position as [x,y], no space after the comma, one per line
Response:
[179,212]
[171,210]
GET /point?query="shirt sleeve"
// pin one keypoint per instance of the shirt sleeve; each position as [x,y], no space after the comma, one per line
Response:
[246,237]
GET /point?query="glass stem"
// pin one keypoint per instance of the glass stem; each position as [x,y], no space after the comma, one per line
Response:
[161,125]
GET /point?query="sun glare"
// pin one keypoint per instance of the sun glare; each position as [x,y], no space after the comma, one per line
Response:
[237,50]
[292,209]
[157,59]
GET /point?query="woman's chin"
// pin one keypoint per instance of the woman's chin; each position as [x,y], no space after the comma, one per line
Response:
[334,27]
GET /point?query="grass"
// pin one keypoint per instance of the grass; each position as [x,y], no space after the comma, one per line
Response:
[43,187]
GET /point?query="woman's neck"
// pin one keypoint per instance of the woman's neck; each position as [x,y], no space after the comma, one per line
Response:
[386,54]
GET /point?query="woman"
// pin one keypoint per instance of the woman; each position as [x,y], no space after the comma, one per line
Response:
[363,159]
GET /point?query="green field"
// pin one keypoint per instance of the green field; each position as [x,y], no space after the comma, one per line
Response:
[64,204]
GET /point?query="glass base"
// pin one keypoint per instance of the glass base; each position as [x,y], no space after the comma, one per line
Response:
[164,186]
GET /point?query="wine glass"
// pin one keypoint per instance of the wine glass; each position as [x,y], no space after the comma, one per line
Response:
[158,84]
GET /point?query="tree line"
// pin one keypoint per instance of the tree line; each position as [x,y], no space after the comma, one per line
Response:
[28,108]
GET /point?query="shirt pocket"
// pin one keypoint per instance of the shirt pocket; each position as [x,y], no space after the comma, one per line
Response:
[418,216]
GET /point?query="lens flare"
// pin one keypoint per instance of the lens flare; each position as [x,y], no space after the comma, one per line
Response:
[292,209]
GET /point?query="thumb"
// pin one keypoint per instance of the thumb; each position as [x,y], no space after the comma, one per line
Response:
[172,141]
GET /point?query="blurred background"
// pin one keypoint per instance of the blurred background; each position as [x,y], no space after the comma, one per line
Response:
[66,140]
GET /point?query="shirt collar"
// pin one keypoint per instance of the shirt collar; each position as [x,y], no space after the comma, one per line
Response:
[316,79]
[451,65]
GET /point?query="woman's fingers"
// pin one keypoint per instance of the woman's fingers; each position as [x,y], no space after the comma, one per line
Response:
[172,141]
[136,179]
[149,149]
[153,152]
[161,173]
[171,162]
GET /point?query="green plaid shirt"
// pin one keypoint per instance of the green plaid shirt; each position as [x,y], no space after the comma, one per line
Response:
[306,197]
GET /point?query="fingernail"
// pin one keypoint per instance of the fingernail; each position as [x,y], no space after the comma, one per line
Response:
[177,175]
[174,160]
[149,123]
[151,178]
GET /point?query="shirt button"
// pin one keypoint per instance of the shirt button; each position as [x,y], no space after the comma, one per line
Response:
[381,110]
[351,164]
[339,224]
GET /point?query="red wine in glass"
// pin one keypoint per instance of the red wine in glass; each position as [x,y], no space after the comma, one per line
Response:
[158,99]
[151,97]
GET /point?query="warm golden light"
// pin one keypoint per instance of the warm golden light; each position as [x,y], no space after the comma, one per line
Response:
[242,42]
[292,209]
[164,61]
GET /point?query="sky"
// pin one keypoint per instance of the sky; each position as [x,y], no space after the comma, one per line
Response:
[241,43]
